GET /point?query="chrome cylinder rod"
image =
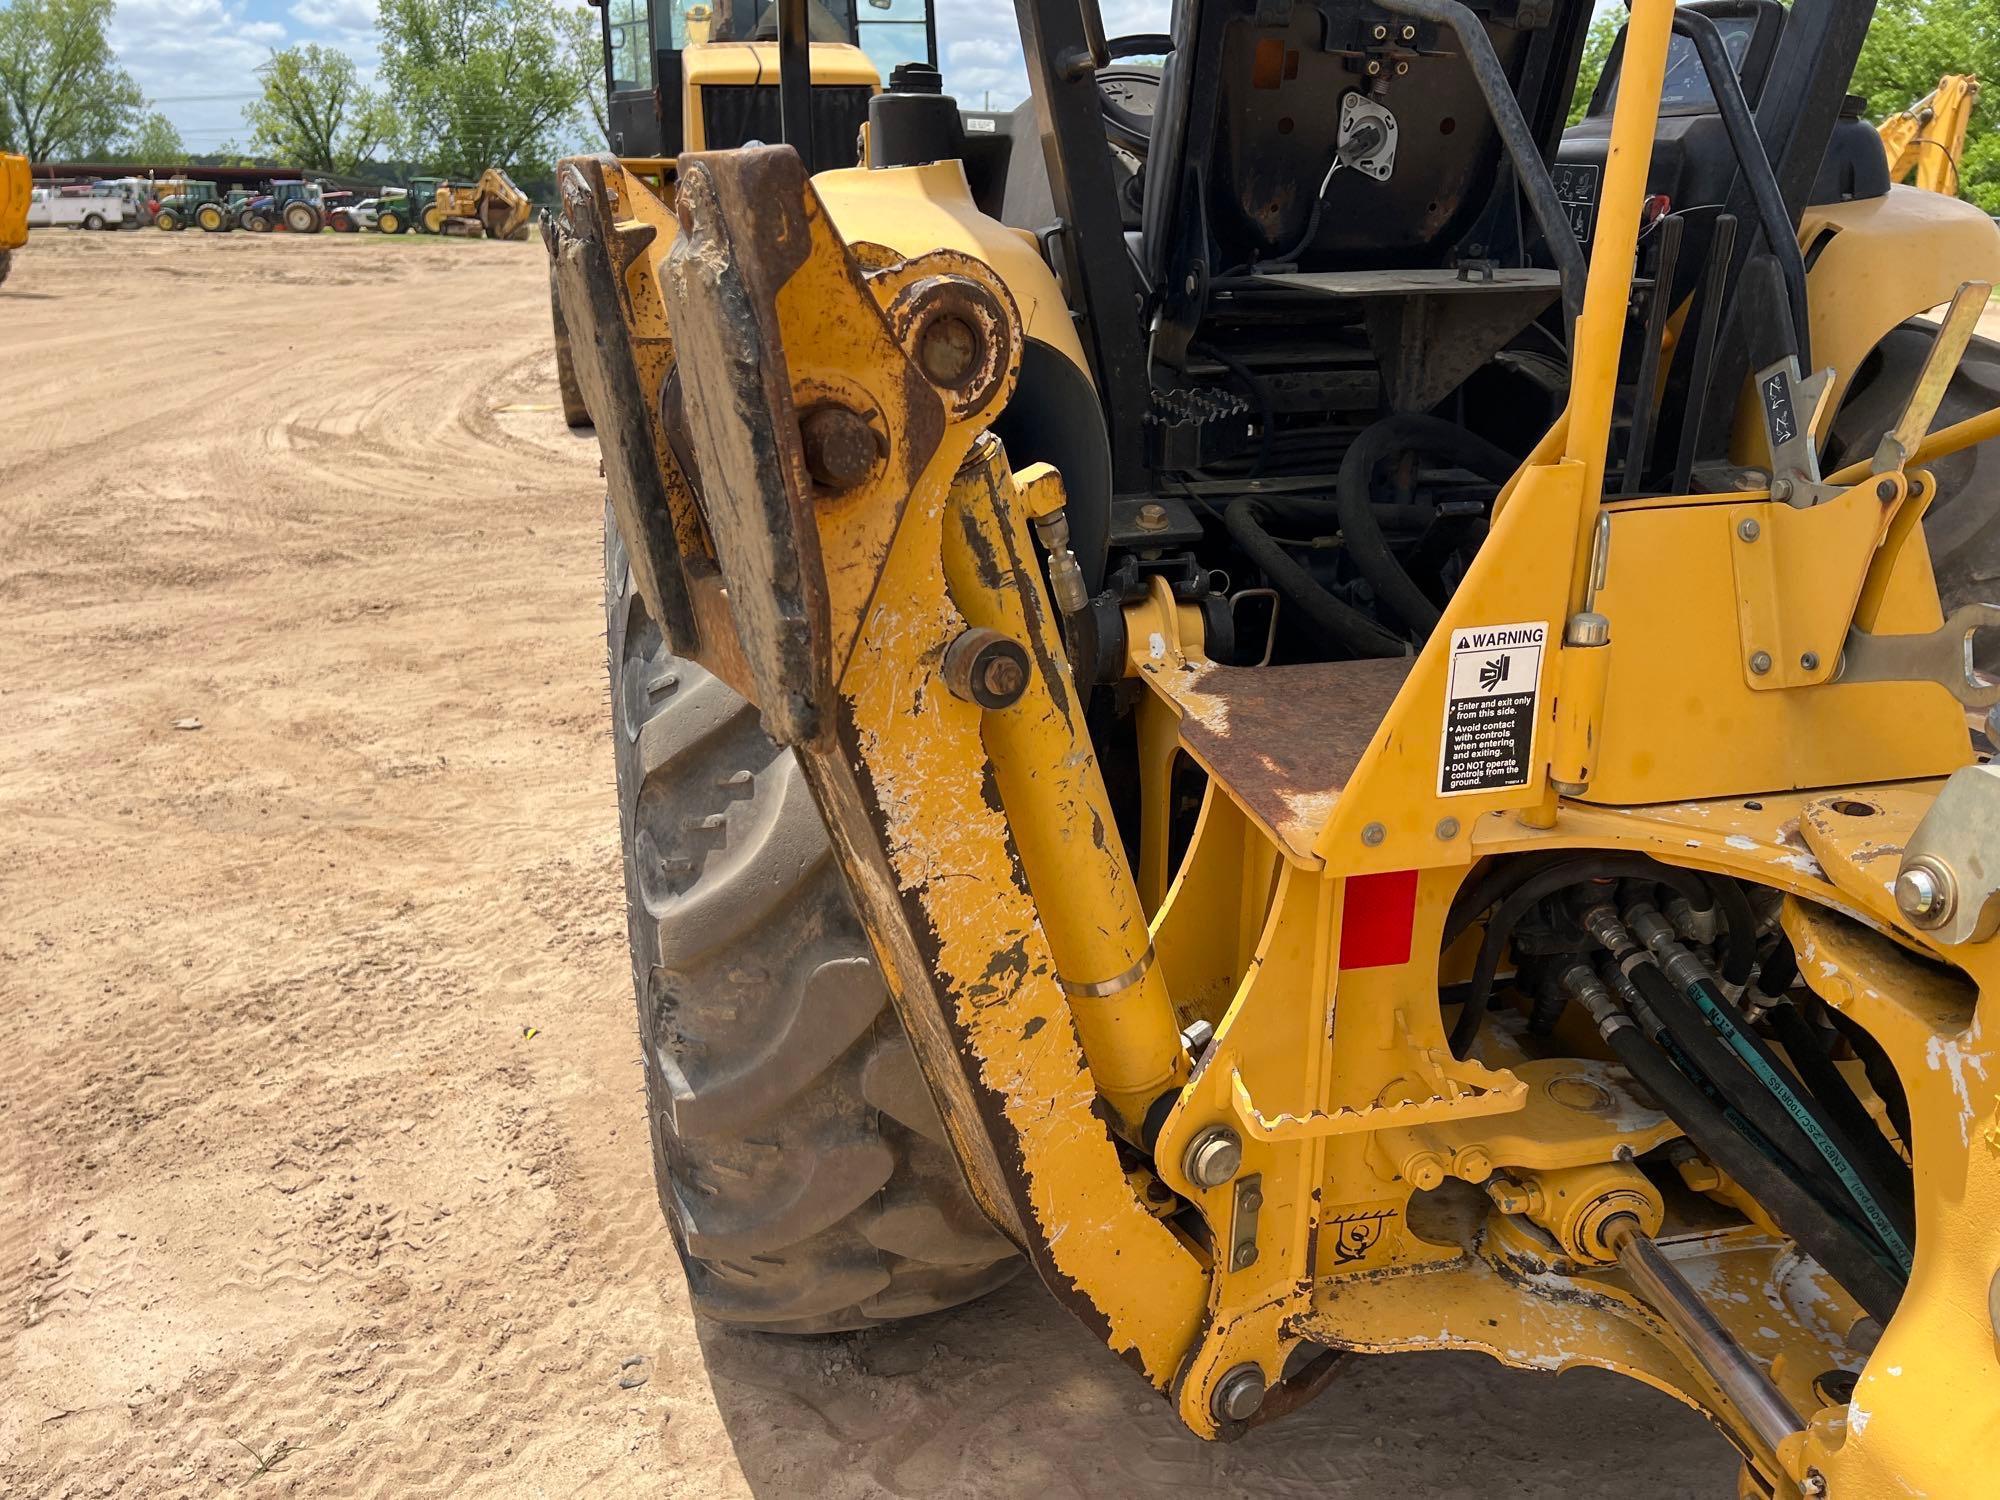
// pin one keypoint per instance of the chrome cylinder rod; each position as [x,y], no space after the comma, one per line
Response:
[1741,1378]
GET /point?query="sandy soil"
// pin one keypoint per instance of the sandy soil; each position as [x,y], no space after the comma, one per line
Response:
[322,1165]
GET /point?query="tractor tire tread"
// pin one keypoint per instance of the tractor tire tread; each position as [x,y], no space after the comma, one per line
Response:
[800,1164]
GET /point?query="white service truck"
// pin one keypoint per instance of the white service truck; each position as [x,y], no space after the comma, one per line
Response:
[54,208]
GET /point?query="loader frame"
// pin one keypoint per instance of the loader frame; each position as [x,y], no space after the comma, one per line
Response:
[841,539]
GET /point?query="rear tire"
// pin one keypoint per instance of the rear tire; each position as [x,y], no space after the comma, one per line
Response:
[800,1163]
[300,218]
[433,220]
[388,222]
[166,220]
[93,221]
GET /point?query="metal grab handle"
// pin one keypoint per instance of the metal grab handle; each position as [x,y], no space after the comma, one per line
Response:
[1515,134]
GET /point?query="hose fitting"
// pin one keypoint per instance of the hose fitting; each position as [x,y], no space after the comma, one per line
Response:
[1066,585]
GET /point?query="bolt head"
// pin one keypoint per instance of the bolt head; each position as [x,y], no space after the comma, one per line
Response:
[1239,1395]
[1244,1258]
[1003,676]
[1760,663]
[1153,516]
[1374,834]
[1447,829]
[1214,1156]
[1924,895]
[1781,489]
[1750,531]
[985,667]
[1886,491]
[840,447]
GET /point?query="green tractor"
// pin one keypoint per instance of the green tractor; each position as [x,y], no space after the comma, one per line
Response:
[197,203]
[414,208]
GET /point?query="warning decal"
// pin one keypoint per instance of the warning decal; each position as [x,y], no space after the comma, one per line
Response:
[1490,697]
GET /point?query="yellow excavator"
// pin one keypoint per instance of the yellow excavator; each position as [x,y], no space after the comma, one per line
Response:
[491,208]
[14,190]
[1926,142]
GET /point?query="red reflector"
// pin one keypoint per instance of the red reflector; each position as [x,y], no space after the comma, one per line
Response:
[1381,911]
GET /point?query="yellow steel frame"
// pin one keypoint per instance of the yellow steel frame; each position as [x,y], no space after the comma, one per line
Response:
[1043,982]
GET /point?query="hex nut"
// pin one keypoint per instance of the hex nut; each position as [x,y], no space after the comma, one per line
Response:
[985,667]
[1153,516]
[1750,530]
[1239,1395]
[1760,663]
[1213,1157]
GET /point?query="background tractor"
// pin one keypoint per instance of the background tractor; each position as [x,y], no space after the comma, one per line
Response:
[1346,718]
[196,203]
[1926,142]
[415,207]
[296,207]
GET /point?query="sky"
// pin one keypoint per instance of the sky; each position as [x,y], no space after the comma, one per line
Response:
[197,59]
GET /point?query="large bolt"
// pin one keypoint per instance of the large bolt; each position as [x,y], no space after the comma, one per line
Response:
[985,667]
[1925,893]
[1153,516]
[948,348]
[1886,491]
[840,446]
[1213,1157]
[1239,1395]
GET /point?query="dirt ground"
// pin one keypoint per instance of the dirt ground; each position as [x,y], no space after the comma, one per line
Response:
[323,1168]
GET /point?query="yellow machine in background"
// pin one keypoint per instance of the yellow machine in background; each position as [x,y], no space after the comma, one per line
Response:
[15,188]
[1398,746]
[1926,142]
[492,208]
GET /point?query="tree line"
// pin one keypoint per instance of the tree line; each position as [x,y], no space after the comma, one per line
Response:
[461,85]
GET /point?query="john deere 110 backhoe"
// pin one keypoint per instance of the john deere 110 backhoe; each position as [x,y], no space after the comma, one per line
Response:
[1391,694]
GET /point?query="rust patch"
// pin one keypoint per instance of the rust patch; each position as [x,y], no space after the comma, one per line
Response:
[1284,740]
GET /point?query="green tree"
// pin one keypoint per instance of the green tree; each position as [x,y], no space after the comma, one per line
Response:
[312,112]
[62,93]
[1596,48]
[154,140]
[483,83]
[1913,43]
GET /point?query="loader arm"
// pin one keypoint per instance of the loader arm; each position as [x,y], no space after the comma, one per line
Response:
[1260,1114]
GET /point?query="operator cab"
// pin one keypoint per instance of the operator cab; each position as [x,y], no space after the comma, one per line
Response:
[694,75]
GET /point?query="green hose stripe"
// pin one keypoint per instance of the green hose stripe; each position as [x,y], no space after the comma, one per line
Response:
[1803,1117]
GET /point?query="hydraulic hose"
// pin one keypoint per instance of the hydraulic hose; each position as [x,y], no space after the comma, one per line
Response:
[1695,1009]
[1362,531]
[1814,1063]
[1536,885]
[1792,1208]
[1338,623]
[1739,947]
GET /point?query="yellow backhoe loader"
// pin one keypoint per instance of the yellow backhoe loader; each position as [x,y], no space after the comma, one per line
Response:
[16,187]
[491,208]
[1926,142]
[1339,718]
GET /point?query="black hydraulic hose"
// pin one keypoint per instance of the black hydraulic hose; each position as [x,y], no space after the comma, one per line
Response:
[1809,1057]
[1535,886]
[1794,1210]
[1711,1056]
[1739,942]
[1755,165]
[1362,531]
[1516,135]
[1338,623]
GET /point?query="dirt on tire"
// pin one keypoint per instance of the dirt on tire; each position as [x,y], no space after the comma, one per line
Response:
[323,1152]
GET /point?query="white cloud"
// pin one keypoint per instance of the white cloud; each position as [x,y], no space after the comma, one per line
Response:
[979,46]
